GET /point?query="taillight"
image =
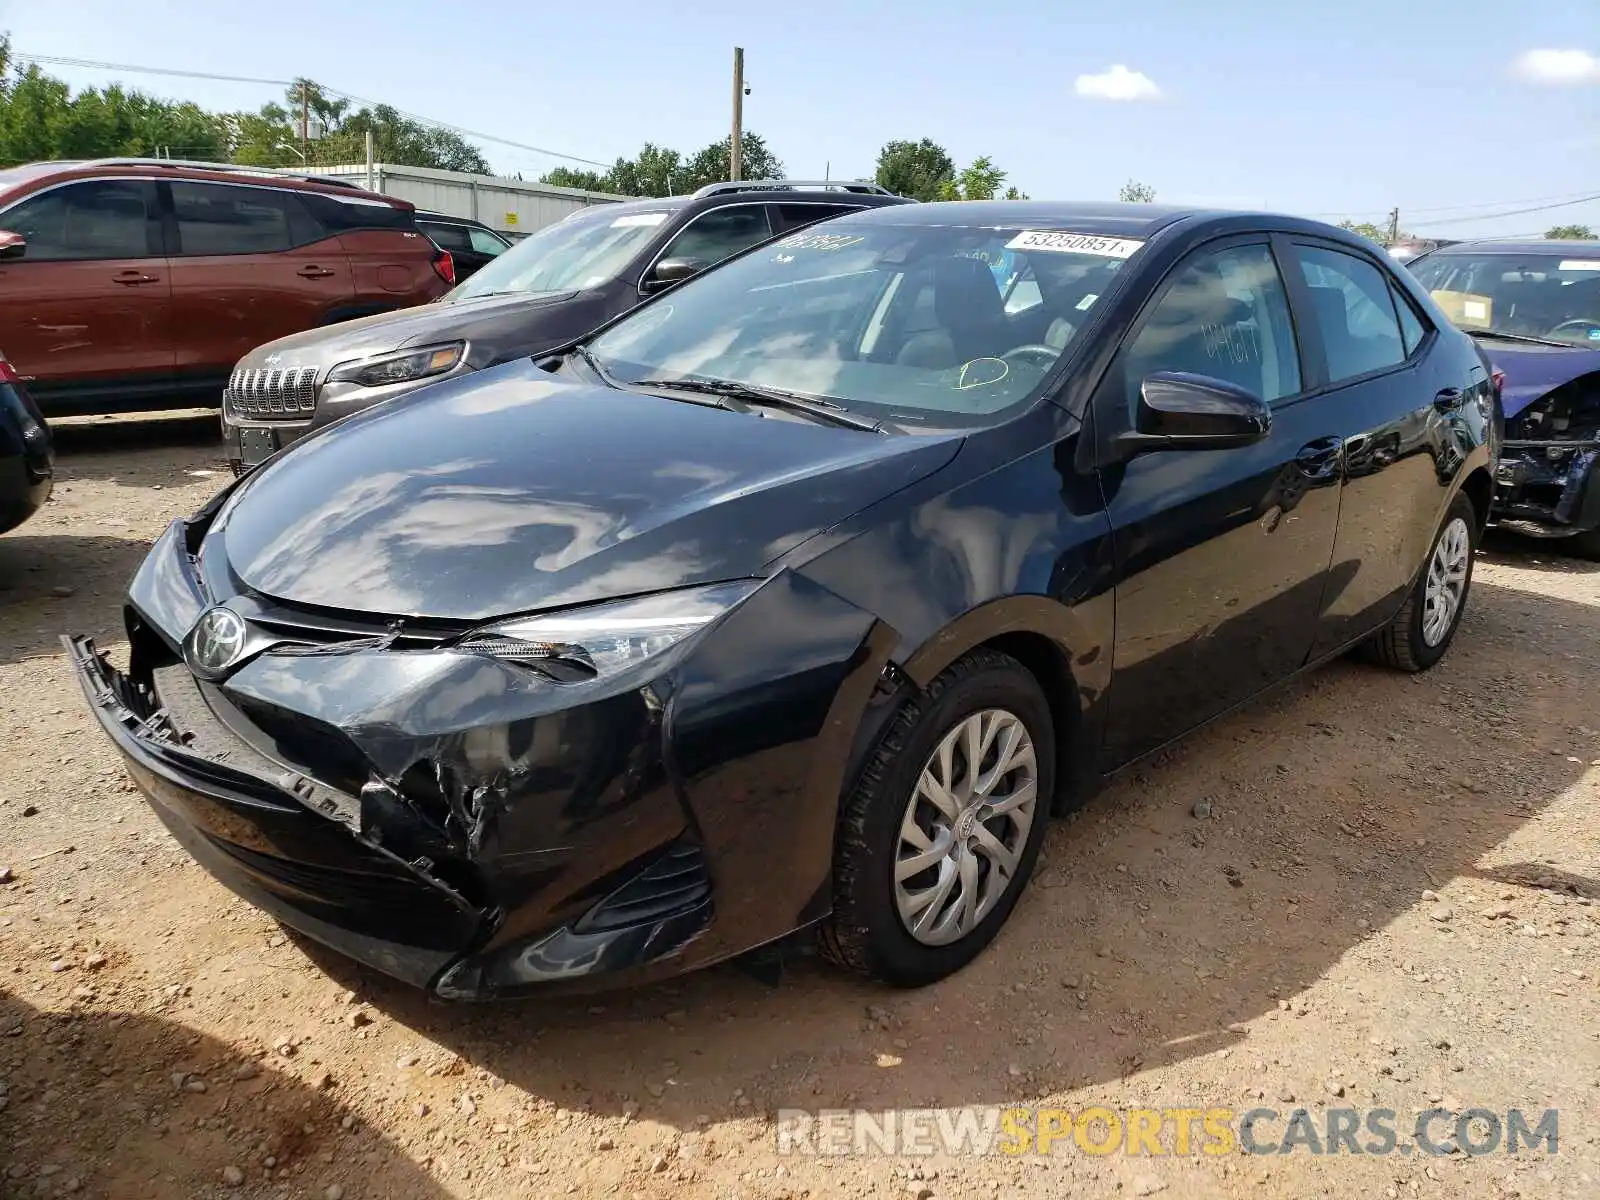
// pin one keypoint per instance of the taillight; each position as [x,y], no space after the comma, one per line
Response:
[445,265]
[8,373]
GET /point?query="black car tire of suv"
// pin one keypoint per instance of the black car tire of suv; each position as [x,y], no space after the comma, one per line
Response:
[866,931]
[1402,644]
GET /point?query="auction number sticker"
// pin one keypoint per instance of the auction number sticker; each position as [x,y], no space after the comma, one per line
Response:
[633,220]
[820,241]
[1061,242]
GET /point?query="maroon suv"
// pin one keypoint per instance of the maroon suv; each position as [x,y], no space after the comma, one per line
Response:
[131,284]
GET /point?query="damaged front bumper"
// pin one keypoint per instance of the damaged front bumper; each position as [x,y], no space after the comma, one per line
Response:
[469,827]
[1549,487]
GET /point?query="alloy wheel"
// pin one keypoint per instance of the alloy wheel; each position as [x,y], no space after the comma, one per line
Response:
[1447,581]
[965,827]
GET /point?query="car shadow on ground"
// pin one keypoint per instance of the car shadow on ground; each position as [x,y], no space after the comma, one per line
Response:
[1535,554]
[177,1113]
[51,584]
[118,449]
[1150,935]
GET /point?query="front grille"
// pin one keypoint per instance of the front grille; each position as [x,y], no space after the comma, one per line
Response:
[272,394]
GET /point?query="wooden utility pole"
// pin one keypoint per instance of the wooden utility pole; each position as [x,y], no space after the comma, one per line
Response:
[305,118]
[1394,225]
[736,142]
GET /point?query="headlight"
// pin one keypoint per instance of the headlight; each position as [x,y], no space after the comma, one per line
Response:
[602,639]
[401,367]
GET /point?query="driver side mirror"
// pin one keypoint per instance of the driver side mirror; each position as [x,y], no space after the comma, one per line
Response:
[12,245]
[1180,411]
[670,271]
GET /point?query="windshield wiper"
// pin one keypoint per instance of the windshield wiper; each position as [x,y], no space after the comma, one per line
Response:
[1516,337]
[750,394]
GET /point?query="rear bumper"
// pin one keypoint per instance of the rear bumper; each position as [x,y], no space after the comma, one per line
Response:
[1549,487]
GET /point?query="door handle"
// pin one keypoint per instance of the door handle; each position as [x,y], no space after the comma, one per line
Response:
[1319,460]
[1448,399]
[133,277]
[313,272]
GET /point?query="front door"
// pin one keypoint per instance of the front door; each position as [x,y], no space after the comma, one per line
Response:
[88,306]
[1222,554]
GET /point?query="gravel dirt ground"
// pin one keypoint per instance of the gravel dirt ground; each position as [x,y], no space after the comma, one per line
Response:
[1366,890]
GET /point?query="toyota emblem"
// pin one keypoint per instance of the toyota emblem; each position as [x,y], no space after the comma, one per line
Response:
[215,642]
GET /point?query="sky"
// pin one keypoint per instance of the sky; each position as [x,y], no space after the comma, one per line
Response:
[1452,111]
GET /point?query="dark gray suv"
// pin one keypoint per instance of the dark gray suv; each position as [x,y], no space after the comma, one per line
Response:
[548,289]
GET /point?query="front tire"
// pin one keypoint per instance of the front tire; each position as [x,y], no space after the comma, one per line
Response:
[1426,624]
[940,834]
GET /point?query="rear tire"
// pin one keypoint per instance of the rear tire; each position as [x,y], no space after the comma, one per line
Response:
[933,849]
[1426,624]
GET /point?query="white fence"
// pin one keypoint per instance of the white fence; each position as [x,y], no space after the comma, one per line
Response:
[509,205]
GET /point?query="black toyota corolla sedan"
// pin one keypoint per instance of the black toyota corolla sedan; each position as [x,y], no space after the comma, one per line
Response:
[801,596]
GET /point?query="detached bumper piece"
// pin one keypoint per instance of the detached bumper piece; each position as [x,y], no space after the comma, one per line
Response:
[297,849]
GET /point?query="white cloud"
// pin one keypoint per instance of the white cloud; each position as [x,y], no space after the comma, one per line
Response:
[1557,66]
[1118,83]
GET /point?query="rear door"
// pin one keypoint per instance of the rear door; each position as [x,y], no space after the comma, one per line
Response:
[1395,394]
[1221,554]
[89,304]
[249,264]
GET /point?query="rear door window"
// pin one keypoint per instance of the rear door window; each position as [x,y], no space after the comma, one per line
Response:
[97,219]
[1352,306]
[795,216]
[225,219]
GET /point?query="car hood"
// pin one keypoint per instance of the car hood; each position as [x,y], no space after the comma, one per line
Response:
[510,491]
[1534,371]
[442,321]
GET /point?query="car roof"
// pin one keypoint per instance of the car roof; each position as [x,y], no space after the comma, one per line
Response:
[1109,219]
[1524,246]
[14,179]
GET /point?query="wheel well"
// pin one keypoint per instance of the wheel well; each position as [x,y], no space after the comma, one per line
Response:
[1479,488]
[1046,662]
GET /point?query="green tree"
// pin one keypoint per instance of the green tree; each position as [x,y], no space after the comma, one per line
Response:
[1134,192]
[1578,233]
[714,163]
[270,137]
[40,118]
[915,169]
[980,181]
[660,171]
[589,181]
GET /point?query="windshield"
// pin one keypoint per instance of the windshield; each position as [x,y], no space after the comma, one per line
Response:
[580,252]
[907,323]
[1546,294]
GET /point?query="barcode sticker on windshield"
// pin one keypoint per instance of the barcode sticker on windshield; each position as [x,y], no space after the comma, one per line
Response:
[1580,264]
[1061,242]
[639,219]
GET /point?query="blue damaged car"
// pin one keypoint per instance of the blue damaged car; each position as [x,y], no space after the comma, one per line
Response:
[1534,308]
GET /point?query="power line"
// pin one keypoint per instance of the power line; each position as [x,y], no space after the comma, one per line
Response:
[55,60]
[1514,212]
[1573,197]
